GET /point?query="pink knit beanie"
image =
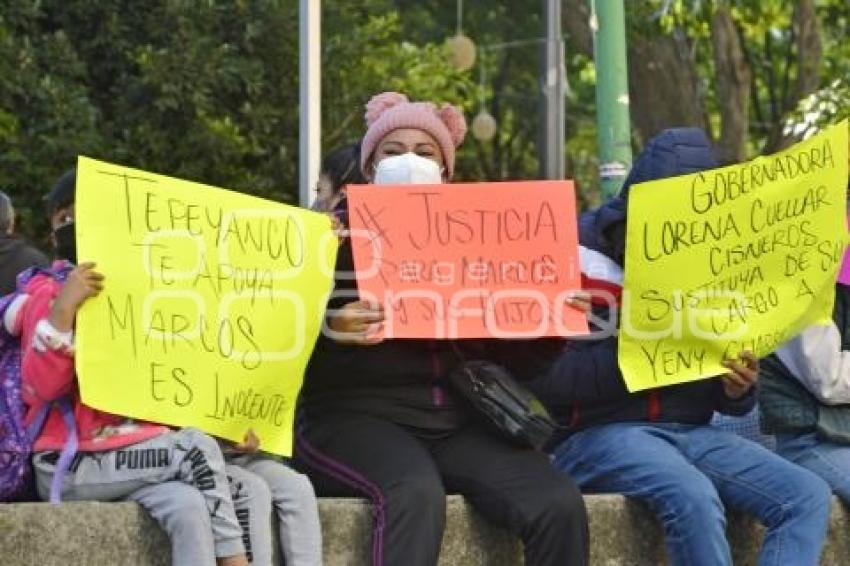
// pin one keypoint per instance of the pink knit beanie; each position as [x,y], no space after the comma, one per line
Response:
[390,111]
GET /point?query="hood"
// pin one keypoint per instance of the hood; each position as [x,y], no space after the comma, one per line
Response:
[674,152]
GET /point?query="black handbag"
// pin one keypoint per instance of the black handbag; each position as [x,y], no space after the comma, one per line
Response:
[505,404]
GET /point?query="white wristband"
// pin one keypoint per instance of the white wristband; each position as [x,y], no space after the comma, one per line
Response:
[48,338]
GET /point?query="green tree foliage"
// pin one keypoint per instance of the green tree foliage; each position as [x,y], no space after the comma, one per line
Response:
[826,106]
[46,115]
[204,90]
[208,89]
[791,49]
[365,51]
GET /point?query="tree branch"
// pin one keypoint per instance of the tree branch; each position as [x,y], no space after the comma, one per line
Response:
[771,77]
[786,77]
[575,21]
[809,55]
[733,84]
[755,103]
[809,49]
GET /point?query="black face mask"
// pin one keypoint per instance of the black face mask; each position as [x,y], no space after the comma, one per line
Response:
[66,242]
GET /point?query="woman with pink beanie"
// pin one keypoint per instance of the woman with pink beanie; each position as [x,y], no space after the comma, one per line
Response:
[376,418]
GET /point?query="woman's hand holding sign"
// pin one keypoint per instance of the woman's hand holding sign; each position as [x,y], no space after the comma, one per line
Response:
[358,323]
[741,378]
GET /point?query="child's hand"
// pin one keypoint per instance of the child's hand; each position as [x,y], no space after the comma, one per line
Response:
[83,282]
[357,323]
[250,444]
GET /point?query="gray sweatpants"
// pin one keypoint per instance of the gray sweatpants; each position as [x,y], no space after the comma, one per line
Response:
[294,501]
[179,477]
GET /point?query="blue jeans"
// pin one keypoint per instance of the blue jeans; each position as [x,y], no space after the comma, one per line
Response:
[687,474]
[828,460]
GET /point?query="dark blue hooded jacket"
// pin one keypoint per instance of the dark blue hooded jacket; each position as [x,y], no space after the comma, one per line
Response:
[583,386]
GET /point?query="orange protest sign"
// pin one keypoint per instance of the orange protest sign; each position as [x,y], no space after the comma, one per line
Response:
[468,260]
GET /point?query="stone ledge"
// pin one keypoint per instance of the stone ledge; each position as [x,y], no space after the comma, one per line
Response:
[103,534]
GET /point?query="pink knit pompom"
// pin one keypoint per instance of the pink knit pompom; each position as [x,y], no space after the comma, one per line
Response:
[453,118]
[380,103]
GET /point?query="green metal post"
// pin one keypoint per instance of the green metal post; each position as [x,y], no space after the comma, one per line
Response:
[608,23]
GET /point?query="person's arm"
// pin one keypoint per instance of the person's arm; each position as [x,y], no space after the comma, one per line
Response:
[582,372]
[47,373]
[47,339]
[358,323]
[734,407]
[529,359]
[350,321]
[736,390]
[563,371]
[818,360]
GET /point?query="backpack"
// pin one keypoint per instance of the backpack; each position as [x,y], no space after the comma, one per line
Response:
[17,439]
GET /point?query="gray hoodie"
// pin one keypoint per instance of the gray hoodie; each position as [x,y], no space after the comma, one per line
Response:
[16,255]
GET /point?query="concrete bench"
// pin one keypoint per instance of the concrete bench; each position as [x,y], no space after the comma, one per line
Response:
[107,534]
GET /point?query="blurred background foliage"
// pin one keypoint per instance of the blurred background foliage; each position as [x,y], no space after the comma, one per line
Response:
[208,90]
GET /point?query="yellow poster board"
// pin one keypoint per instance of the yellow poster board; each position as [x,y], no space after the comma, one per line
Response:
[213,301]
[732,259]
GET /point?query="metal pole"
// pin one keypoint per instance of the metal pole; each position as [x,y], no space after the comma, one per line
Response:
[310,99]
[608,23]
[552,95]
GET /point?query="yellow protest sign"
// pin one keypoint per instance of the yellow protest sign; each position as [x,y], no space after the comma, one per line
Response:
[733,259]
[213,301]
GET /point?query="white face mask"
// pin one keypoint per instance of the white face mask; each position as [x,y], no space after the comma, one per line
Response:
[407,169]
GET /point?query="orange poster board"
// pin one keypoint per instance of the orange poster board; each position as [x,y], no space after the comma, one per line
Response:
[468,260]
